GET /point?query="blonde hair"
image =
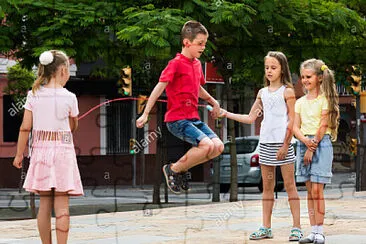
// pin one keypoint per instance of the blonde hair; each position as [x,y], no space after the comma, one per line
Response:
[47,71]
[328,88]
[285,70]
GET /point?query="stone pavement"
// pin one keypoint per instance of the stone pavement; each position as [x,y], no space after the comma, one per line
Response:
[223,222]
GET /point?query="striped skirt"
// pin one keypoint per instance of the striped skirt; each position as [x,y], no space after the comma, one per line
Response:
[268,154]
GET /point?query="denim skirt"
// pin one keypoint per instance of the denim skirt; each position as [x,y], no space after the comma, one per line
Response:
[320,168]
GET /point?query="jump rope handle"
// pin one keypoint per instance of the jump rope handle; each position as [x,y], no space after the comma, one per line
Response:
[209,107]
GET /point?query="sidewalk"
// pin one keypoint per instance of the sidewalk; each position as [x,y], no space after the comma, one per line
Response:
[223,222]
[213,223]
[16,206]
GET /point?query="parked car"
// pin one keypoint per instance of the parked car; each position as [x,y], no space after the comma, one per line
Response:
[249,172]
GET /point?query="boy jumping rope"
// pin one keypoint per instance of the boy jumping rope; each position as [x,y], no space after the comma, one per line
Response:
[183,79]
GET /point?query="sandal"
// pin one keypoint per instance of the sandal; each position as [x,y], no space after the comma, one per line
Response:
[262,233]
[295,234]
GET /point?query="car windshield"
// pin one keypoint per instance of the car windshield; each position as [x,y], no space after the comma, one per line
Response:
[242,146]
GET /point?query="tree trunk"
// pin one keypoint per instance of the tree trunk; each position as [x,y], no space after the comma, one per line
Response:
[216,161]
[233,160]
[158,159]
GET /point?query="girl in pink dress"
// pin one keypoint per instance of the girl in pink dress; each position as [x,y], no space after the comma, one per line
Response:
[51,114]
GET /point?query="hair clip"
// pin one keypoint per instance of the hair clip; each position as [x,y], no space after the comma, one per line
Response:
[324,67]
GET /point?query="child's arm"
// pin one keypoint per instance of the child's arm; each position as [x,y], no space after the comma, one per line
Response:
[208,98]
[155,94]
[300,136]
[311,146]
[290,102]
[255,112]
[323,127]
[24,131]
[297,131]
[74,123]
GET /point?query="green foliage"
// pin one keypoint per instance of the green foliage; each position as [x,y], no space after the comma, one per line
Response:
[20,81]
[152,30]
[147,31]
[84,30]
[304,29]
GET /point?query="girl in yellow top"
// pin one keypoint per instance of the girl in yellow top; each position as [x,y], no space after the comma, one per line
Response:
[315,125]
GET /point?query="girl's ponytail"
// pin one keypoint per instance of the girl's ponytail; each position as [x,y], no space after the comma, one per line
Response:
[330,92]
[38,82]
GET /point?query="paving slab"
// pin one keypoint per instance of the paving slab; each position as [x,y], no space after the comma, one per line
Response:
[228,222]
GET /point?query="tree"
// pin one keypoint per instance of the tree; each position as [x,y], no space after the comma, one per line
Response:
[20,81]
[146,30]
[84,30]
[143,32]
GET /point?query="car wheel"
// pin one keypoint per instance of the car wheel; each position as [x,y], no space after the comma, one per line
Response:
[224,188]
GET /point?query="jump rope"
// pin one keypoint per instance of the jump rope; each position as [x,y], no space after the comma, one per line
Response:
[22,173]
[208,107]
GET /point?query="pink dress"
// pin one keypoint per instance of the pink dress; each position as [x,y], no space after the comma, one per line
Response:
[52,158]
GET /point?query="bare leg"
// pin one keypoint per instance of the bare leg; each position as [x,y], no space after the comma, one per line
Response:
[218,148]
[195,156]
[310,201]
[268,178]
[319,204]
[62,217]
[44,216]
[288,176]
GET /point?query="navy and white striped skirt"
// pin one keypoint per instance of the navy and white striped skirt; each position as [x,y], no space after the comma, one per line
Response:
[268,154]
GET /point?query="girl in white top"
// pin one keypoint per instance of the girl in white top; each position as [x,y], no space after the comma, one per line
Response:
[51,113]
[276,101]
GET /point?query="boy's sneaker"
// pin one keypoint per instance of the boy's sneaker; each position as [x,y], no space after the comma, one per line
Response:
[172,179]
[185,177]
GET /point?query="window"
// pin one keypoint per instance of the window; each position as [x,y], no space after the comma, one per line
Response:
[119,122]
[12,115]
[242,146]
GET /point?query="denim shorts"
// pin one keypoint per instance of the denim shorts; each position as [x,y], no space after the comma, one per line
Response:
[320,168]
[191,131]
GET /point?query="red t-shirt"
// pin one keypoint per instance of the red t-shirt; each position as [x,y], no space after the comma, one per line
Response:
[184,77]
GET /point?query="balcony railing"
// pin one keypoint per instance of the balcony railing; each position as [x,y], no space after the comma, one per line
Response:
[343,91]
